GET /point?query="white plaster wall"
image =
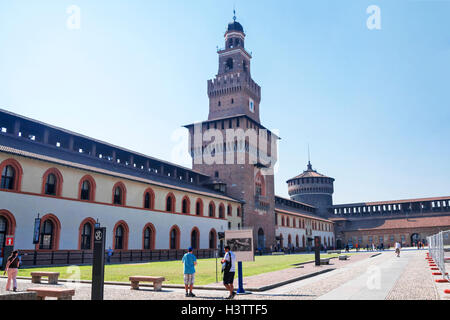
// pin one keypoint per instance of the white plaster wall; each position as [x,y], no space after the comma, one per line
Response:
[72,213]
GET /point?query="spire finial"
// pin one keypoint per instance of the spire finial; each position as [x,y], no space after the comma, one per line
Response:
[309,155]
[234,15]
[309,159]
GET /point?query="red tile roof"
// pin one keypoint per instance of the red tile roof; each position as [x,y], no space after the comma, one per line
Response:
[416,222]
[377,203]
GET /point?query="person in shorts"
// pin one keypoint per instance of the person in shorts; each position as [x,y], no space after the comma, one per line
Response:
[397,248]
[190,261]
[229,261]
[12,267]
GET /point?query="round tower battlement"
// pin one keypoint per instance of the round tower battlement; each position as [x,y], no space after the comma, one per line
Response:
[312,188]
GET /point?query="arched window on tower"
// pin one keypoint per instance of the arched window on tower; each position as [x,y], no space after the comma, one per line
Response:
[260,185]
[229,64]
[230,43]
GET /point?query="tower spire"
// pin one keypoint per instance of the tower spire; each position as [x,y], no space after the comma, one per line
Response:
[309,159]
[234,14]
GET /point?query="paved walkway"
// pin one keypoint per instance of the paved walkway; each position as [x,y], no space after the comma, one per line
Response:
[381,277]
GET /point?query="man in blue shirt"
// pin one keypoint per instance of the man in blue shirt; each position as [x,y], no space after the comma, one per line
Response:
[190,261]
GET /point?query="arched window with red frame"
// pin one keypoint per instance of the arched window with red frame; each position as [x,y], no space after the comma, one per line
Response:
[119,194]
[221,211]
[120,236]
[195,238]
[52,182]
[86,234]
[148,237]
[185,205]
[11,175]
[49,233]
[170,202]
[149,199]
[229,210]
[86,188]
[212,239]
[199,207]
[212,209]
[174,237]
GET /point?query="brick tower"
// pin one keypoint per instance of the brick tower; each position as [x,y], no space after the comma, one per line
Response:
[313,188]
[234,107]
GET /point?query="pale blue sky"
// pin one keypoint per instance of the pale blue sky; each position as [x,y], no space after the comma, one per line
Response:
[372,104]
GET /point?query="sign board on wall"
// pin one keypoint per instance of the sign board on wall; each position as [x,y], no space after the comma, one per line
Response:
[9,241]
[36,230]
[241,243]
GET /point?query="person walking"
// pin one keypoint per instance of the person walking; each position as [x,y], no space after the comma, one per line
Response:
[189,261]
[12,267]
[110,253]
[397,248]
[228,268]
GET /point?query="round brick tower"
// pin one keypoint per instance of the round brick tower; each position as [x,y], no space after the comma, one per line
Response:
[312,188]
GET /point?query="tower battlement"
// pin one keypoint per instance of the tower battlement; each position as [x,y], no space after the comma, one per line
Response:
[228,84]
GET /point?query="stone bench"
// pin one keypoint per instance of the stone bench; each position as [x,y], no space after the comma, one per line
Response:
[277,253]
[343,257]
[334,251]
[157,282]
[325,261]
[37,275]
[60,293]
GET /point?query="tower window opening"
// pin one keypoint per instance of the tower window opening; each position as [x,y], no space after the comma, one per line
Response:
[229,64]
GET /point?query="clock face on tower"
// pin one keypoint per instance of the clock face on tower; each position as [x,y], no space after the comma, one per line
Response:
[251,105]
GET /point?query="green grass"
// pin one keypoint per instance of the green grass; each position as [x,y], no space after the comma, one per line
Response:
[173,270]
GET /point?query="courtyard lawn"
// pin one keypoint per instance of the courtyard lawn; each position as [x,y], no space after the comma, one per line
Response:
[173,270]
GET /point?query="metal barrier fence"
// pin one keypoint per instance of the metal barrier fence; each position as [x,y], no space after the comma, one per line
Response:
[439,250]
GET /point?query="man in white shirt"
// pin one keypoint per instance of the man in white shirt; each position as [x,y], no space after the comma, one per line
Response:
[397,248]
[228,271]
